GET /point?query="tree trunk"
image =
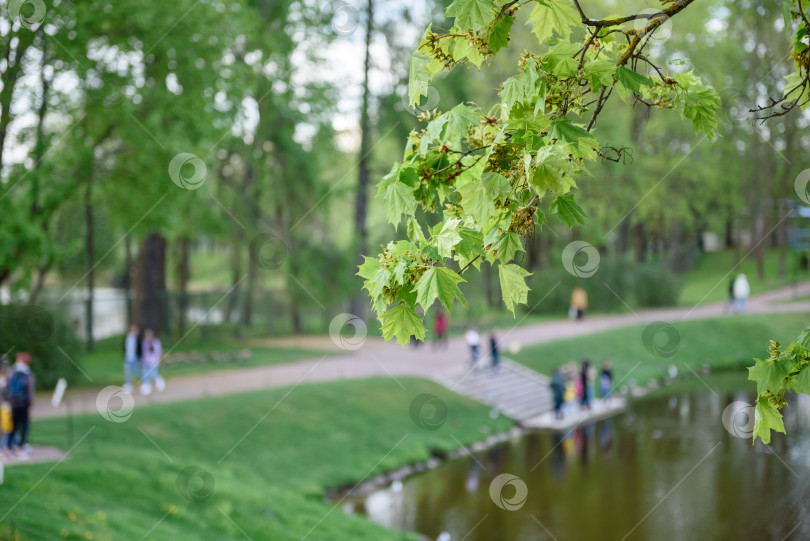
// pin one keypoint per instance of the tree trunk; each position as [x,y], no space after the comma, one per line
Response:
[247,299]
[183,274]
[253,270]
[90,248]
[150,283]
[236,276]
[640,245]
[363,174]
[785,185]
[729,234]
[128,271]
[492,295]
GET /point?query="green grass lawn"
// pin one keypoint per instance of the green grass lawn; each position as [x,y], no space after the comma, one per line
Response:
[723,343]
[271,455]
[707,282]
[104,366]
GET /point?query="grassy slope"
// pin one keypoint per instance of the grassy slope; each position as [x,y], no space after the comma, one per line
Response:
[707,282]
[722,342]
[118,484]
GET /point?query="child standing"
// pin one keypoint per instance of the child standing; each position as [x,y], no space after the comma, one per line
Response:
[151,353]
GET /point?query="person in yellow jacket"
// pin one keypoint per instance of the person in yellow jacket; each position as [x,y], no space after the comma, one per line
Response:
[6,426]
[579,303]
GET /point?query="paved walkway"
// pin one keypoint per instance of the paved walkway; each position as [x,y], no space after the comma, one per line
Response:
[390,360]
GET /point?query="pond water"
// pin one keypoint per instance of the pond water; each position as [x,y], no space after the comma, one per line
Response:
[665,469]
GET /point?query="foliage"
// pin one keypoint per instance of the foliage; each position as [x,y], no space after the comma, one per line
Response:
[47,336]
[784,370]
[488,172]
[654,286]
[617,281]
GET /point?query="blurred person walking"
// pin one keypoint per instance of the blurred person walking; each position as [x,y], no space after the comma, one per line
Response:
[741,292]
[585,382]
[473,340]
[440,325]
[579,303]
[6,424]
[606,381]
[133,350]
[151,355]
[20,392]
[730,306]
[494,351]
[558,390]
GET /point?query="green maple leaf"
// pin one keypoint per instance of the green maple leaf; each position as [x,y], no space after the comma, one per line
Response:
[496,186]
[700,106]
[513,285]
[415,232]
[513,91]
[369,267]
[476,202]
[567,132]
[502,245]
[769,375]
[399,271]
[804,339]
[439,283]
[801,383]
[469,248]
[380,280]
[766,418]
[420,74]
[552,170]
[550,16]
[459,119]
[566,208]
[599,73]
[471,13]
[631,80]
[402,322]
[447,238]
[498,34]
[399,200]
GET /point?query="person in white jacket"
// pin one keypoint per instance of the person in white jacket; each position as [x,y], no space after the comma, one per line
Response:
[741,292]
[473,339]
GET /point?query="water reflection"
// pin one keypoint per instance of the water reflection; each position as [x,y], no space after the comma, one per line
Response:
[666,469]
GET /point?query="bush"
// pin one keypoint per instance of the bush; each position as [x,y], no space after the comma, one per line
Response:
[42,333]
[655,286]
[615,283]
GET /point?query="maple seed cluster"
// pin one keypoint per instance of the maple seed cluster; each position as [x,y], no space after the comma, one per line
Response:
[415,267]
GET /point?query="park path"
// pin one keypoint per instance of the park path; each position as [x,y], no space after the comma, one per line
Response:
[376,358]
